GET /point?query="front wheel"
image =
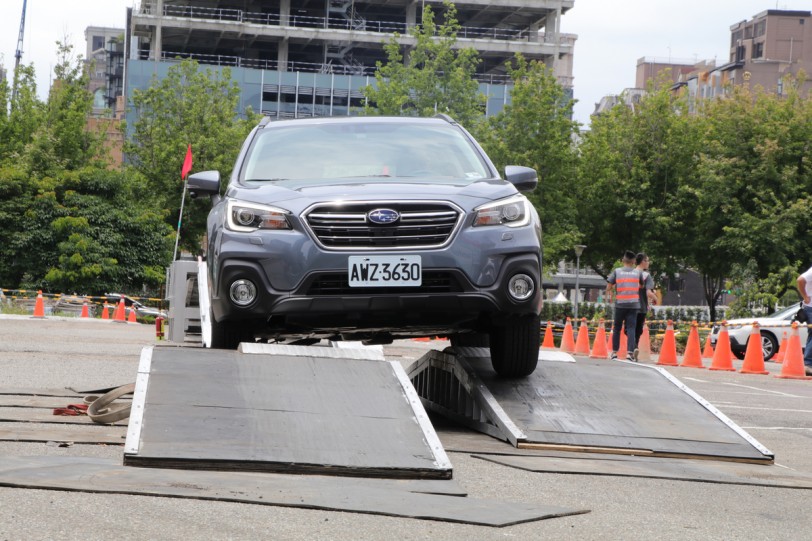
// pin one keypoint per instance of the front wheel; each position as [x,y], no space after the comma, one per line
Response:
[515,346]
[228,334]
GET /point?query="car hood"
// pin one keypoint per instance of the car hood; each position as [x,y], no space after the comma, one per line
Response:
[305,193]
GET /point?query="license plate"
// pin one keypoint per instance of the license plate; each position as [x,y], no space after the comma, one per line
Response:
[385,270]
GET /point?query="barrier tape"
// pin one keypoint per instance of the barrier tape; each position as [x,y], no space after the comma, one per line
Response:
[706,326]
[27,294]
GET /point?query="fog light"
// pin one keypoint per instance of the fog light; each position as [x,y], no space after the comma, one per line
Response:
[521,287]
[243,292]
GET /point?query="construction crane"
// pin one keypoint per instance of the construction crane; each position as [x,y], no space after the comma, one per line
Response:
[19,53]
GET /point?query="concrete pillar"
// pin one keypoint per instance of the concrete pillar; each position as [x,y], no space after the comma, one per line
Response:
[156,46]
[282,55]
[411,15]
[284,13]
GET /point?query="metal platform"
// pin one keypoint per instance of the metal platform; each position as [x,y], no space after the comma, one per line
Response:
[589,405]
[290,411]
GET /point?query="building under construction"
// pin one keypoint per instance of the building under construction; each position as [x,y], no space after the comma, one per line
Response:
[296,58]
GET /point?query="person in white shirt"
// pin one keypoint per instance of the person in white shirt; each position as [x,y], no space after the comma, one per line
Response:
[805,289]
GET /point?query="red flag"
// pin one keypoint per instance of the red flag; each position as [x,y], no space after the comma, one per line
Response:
[187,163]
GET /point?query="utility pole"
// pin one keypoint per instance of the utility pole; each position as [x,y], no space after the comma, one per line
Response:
[18,54]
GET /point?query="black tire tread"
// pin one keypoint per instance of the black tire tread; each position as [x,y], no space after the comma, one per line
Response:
[515,347]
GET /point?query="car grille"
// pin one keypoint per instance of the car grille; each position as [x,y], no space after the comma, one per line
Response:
[346,227]
[338,284]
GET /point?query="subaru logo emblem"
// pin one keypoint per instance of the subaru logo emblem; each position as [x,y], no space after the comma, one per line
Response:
[383,216]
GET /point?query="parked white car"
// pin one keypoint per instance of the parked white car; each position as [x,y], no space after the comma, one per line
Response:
[772,330]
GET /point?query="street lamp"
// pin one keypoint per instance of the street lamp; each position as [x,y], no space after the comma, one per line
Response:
[579,249]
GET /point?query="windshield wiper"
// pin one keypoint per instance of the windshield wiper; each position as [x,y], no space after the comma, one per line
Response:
[263,179]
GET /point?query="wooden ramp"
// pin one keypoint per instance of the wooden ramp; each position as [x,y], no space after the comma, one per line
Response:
[589,405]
[196,408]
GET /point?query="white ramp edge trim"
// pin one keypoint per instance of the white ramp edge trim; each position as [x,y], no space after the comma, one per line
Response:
[132,443]
[311,351]
[203,301]
[441,459]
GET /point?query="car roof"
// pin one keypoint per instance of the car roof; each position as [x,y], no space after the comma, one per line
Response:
[435,120]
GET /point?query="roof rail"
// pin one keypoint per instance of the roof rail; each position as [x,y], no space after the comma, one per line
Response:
[265,121]
[446,118]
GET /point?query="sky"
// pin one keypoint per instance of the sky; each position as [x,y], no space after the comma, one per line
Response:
[612,35]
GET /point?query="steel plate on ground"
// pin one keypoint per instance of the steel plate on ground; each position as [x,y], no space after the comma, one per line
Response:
[214,409]
[616,405]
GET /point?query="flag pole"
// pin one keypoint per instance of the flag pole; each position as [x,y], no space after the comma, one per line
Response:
[180,218]
[184,173]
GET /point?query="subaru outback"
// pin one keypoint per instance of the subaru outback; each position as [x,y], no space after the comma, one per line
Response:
[374,229]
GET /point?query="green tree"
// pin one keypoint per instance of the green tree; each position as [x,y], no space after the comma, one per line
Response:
[22,119]
[62,140]
[536,130]
[81,233]
[637,181]
[754,199]
[188,106]
[435,76]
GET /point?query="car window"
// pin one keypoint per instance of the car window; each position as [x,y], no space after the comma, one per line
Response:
[786,313]
[364,149]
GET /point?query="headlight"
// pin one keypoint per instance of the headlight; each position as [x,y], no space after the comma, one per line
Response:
[512,212]
[249,217]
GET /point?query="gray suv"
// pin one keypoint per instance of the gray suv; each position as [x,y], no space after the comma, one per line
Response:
[374,229]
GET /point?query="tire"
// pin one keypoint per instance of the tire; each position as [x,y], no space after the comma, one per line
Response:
[470,339]
[769,345]
[228,334]
[515,347]
[739,354]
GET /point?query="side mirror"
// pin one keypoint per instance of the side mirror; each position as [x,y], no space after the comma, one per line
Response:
[524,178]
[204,183]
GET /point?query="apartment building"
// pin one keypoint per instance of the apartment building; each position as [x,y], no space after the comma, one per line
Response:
[773,44]
[763,51]
[104,56]
[296,58]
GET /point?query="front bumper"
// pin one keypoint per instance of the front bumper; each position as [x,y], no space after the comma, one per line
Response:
[323,300]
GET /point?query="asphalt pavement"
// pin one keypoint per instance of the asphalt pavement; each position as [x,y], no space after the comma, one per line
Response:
[91,354]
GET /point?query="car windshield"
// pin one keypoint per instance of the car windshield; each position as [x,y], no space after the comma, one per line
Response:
[363,150]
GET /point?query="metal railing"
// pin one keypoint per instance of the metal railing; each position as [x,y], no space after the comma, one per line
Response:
[308,67]
[335,23]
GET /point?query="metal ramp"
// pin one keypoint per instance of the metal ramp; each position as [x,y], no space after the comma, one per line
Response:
[283,409]
[589,405]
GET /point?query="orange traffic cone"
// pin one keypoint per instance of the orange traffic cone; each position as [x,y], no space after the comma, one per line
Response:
[693,354]
[722,354]
[582,343]
[782,349]
[599,350]
[118,313]
[567,340]
[754,356]
[624,347]
[548,342]
[668,349]
[793,367]
[422,339]
[131,317]
[644,345]
[85,310]
[707,353]
[39,306]
[105,310]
